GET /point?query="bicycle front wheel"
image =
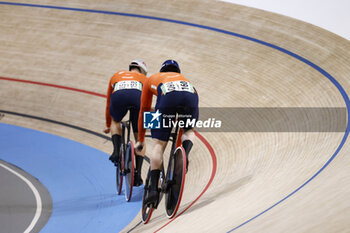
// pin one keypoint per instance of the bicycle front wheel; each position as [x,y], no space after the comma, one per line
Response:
[129,170]
[119,170]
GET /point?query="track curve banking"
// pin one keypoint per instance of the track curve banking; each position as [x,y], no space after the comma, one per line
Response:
[236,57]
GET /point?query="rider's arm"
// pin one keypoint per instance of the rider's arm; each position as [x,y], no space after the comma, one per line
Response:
[109,92]
[146,103]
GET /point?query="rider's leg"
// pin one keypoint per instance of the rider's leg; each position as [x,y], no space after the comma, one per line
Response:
[156,164]
[192,110]
[117,110]
[156,161]
[139,161]
[139,155]
[116,131]
[157,154]
[187,143]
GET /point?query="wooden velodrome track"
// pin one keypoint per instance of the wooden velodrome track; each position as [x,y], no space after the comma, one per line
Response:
[253,172]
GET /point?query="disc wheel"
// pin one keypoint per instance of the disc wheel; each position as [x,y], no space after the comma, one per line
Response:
[175,178]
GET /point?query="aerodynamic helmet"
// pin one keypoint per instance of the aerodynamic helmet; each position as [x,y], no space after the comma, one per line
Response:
[170,66]
[141,65]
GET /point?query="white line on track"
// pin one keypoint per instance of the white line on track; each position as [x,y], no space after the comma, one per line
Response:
[37,198]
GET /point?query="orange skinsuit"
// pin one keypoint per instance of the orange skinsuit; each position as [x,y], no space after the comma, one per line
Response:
[118,77]
[149,89]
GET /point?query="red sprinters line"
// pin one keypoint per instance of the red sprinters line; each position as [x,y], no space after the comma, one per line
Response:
[213,171]
[53,85]
[200,137]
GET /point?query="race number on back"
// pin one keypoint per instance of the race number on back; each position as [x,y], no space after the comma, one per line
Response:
[177,86]
[131,84]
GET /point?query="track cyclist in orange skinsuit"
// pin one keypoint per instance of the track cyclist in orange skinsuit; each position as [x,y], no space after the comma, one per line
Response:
[124,90]
[173,90]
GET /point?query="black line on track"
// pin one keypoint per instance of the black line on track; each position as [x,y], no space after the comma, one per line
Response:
[3,112]
[134,227]
[56,122]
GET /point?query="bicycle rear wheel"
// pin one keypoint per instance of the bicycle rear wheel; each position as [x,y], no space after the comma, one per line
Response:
[129,170]
[146,210]
[175,178]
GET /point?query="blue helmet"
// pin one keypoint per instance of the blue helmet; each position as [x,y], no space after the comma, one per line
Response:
[170,66]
